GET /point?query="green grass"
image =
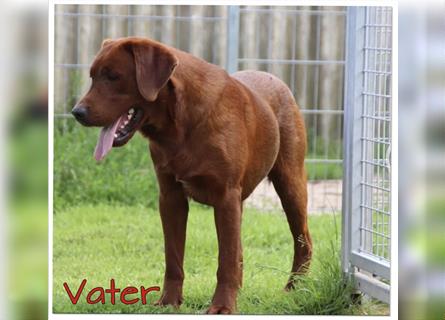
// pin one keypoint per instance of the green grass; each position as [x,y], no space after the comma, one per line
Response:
[101,242]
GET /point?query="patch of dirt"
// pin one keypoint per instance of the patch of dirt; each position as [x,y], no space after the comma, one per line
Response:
[324,196]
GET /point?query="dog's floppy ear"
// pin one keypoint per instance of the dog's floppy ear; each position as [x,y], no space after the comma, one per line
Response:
[154,66]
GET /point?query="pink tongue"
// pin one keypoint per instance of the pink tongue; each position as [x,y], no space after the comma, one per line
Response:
[105,142]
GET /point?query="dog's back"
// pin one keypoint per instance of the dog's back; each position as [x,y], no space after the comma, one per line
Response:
[279,97]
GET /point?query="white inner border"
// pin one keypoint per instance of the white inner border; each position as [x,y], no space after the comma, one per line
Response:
[395,149]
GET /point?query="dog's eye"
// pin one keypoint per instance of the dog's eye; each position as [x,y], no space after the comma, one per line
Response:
[112,76]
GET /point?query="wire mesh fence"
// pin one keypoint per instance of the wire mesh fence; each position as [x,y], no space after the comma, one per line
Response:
[304,46]
[376,135]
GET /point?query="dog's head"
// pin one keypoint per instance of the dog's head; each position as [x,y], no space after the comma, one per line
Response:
[127,74]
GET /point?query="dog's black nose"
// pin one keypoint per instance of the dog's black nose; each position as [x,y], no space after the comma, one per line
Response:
[80,113]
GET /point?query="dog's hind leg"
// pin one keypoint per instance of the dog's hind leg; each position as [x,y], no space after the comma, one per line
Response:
[291,188]
[289,179]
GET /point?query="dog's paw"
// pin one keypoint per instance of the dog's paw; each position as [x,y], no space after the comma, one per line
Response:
[290,285]
[214,309]
[293,282]
[169,299]
[224,300]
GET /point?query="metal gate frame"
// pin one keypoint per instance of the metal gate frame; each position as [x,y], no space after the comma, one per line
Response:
[371,272]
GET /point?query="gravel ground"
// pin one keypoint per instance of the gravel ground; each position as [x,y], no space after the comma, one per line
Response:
[324,196]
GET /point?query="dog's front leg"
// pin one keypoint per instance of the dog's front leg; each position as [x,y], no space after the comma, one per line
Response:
[173,206]
[229,275]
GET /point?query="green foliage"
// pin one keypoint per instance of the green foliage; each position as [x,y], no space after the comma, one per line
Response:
[125,176]
[101,242]
[323,150]
[324,171]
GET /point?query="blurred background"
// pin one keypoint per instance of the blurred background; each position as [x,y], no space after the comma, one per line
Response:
[24,93]
[23,220]
[422,160]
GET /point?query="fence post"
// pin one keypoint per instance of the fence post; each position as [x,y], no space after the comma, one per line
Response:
[232,39]
[352,133]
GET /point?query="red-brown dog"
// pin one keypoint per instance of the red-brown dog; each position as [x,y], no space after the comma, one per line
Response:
[213,137]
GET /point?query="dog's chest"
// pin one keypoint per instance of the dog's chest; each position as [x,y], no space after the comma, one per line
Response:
[203,172]
[202,189]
